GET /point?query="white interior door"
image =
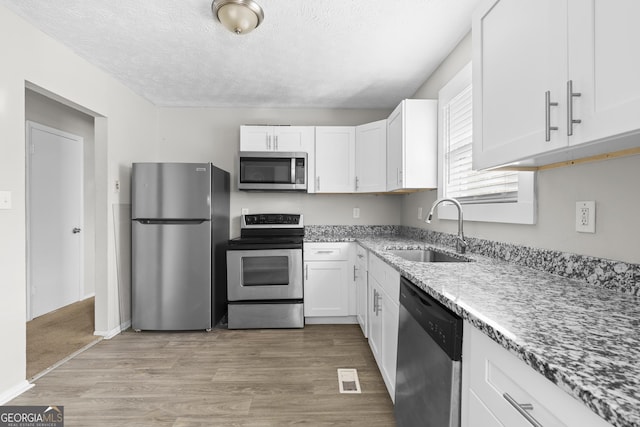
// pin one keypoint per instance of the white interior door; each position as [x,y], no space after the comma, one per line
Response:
[54,218]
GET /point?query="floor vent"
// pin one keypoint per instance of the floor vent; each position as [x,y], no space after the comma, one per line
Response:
[348,381]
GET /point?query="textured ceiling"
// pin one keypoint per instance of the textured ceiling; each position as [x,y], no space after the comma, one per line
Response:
[306,53]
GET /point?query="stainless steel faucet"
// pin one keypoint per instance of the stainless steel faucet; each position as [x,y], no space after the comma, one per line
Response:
[461,244]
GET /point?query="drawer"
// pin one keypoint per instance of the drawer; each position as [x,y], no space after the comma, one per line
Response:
[493,372]
[362,258]
[387,277]
[326,251]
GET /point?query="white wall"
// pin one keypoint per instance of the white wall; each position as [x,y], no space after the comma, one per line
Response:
[213,134]
[125,127]
[612,184]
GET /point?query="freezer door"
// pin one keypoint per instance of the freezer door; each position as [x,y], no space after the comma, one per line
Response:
[171,276]
[171,191]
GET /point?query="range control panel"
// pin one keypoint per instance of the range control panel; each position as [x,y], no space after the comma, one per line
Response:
[272,221]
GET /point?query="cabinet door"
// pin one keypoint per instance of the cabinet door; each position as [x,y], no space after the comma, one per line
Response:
[375,319]
[256,138]
[292,138]
[604,65]
[326,288]
[389,348]
[361,299]
[371,157]
[395,129]
[335,159]
[519,53]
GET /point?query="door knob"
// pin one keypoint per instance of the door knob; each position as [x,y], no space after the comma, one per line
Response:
[76,230]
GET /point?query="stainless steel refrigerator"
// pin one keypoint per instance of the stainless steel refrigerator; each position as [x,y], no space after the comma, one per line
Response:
[179,231]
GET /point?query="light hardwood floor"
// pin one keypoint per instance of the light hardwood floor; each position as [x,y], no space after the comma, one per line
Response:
[238,378]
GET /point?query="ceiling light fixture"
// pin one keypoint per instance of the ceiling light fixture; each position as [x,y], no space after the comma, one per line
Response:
[238,16]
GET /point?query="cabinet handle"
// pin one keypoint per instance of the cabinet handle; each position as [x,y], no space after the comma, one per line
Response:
[400,176]
[522,408]
[354,273]
[275,144]
[357,182]
[268,138]
[325,252]
[306,272]
[547,116]
[570,95]
[375,302]
[318,183]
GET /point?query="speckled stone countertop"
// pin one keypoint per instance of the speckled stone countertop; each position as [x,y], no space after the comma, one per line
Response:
[585,339]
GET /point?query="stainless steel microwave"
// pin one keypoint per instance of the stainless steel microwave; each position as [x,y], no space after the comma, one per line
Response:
[272,171]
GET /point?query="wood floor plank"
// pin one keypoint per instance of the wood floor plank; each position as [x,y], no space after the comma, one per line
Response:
[252,378]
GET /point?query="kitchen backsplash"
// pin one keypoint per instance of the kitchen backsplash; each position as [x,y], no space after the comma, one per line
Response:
[610,274]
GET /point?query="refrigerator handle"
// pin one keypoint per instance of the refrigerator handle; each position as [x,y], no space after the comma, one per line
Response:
[148,221]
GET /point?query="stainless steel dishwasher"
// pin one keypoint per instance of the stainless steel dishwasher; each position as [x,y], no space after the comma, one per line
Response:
[429,361]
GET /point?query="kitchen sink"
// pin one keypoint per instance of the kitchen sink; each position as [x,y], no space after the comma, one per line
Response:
[426,255]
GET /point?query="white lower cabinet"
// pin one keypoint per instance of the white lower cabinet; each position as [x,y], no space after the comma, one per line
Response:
[329,288]
[384,294]
[495,382]
[361,282]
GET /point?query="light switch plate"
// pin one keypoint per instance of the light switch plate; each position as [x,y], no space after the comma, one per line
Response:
[586,217]
[5,199]
[356,212]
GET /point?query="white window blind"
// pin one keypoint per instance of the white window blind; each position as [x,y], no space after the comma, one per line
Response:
[461,182]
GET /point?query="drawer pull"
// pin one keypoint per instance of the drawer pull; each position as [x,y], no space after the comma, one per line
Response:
[522,408]
[325,252]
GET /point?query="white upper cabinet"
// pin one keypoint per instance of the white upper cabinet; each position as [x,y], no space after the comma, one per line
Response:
[604,64]
[412,145]
[276,138]
[335,159]
[371,157]
[565,76]
[519,48]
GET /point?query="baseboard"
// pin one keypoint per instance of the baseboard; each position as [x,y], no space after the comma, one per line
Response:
[331,320]
[107,335]
[15,391]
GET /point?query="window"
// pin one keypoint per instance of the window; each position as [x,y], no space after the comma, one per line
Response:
[495,196]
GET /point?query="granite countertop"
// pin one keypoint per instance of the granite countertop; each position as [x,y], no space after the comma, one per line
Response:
[585,339]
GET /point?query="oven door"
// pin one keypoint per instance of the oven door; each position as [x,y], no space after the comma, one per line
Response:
[264,274]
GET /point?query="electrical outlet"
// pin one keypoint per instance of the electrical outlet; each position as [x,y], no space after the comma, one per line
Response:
[116,186]
[5,199]
[586,217]
[420,212]
[356,212]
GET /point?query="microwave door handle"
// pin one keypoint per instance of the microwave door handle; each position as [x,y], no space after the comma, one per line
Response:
[293,170]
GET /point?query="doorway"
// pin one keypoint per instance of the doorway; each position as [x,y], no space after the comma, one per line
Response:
[60,230]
